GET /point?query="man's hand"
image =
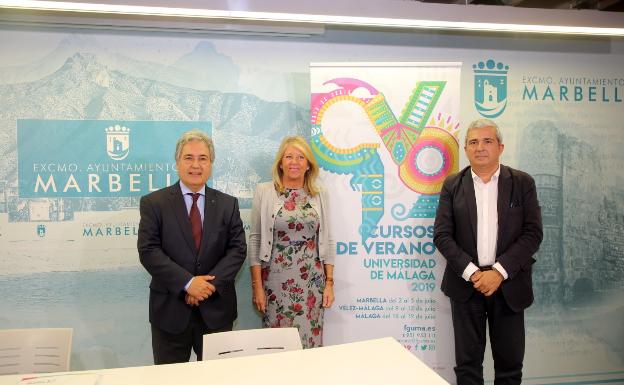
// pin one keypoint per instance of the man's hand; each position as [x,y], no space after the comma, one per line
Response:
[475,276]
[190,300]
[199,289]
[487,282]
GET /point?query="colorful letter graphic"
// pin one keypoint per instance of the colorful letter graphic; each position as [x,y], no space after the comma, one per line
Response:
[424,148]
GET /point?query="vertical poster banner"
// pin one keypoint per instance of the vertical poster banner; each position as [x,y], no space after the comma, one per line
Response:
[386,137]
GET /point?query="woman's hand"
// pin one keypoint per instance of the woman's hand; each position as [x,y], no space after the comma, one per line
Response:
[328,294]
[259,297]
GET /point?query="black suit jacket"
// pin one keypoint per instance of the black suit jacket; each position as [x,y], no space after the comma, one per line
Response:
[167,250]
[519,234]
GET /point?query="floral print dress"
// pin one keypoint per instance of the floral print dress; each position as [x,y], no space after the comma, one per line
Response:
[294,278]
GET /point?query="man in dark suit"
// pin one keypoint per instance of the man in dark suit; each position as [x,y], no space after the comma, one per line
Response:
[191,241]
[487,227]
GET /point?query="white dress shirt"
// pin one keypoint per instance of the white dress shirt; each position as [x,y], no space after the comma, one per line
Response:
[486,196]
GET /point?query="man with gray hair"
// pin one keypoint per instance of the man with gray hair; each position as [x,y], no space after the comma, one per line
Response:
[488,227]
[191,241]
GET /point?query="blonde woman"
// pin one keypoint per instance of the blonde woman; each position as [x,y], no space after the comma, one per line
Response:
[291,251]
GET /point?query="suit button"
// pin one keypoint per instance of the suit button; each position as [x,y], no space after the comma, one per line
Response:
[198,264]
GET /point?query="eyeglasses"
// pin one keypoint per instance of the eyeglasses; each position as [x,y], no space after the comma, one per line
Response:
[190,159]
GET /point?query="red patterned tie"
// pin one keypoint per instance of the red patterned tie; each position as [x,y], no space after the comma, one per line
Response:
[196,224]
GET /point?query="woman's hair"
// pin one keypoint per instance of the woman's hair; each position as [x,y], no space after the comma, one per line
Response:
[309,182]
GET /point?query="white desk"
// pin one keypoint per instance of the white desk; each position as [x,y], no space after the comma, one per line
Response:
[380,361]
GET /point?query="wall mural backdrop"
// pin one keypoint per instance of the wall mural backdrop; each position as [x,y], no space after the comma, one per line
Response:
[88,126]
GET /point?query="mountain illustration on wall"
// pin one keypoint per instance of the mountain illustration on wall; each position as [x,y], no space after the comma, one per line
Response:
[247,128]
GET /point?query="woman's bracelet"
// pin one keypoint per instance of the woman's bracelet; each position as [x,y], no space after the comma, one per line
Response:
[329,279]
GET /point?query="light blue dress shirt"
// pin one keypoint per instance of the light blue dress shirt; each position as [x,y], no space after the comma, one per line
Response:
[201,203]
